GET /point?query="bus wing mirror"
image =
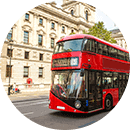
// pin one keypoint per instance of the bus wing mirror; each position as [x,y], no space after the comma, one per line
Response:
[82,73]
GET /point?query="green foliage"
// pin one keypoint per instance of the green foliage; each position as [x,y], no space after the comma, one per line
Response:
[99,30]
[72,33]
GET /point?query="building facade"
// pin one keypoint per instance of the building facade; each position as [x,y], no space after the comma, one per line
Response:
[28,48]
[117,35]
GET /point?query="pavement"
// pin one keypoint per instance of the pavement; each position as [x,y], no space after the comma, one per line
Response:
[29,95]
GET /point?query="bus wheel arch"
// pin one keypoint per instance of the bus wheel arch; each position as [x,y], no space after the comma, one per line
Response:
[108,102]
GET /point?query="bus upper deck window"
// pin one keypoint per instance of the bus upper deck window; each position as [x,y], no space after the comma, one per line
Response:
[105,50]
[93,47]
[99,48]
[127,56]
[121,55]
[113,52]
[85,45]
[88,45]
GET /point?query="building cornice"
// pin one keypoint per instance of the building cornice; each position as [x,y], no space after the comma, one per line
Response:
[28,60]
[70,2]
[74,3]
[30,47]
[61,14]
[117,35]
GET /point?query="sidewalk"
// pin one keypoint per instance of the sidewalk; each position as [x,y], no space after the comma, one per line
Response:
[29,94]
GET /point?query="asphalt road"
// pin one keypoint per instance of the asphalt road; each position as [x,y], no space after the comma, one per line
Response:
[37,110]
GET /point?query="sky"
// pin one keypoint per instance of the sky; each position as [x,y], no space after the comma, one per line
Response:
[99,16]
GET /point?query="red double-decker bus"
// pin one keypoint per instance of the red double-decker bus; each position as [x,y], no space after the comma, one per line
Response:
[88,74]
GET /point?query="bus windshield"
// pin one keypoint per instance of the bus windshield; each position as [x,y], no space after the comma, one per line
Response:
[68,84]
[68,46]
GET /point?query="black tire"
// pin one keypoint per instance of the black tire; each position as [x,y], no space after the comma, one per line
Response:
[108,103]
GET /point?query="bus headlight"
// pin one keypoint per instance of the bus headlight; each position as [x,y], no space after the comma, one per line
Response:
[77,104]
[74,61]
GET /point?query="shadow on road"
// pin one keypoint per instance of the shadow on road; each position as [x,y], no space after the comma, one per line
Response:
[76,115]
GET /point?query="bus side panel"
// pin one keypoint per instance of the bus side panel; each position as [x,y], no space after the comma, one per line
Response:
[114,92]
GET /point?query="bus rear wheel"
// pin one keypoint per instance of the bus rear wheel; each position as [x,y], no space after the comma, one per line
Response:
[108,103]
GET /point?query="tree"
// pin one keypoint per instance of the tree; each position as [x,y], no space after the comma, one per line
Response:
[99,30]
[72,33]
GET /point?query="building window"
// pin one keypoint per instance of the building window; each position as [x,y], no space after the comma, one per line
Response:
[86,15]
[52,42]
[8,71]
[72,12]
[9,52]
[26,55]
[63,29]
[41,57]
[40,72]
[40,21]
[52,25]
[9,36]
[27,16]
[40,37]
[26,37]
[26,71]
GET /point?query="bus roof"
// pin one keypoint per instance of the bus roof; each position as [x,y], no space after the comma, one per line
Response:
[80,36]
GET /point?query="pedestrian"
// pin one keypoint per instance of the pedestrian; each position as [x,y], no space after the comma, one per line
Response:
[14,86]
[16,90]
[11,89]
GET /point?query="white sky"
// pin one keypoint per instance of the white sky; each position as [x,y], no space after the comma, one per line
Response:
[99,16]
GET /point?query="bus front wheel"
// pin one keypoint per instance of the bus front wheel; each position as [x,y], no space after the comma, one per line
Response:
[108,103]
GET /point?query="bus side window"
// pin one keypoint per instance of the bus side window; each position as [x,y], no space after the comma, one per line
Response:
[88,47]
[99,46]
[121,55]
[127,77]
[109,50]
[113,52]
[126,56]
[115,80]
[107,80]
[96,47]
[118,55]
[93,46]
[105,50]
[85,45]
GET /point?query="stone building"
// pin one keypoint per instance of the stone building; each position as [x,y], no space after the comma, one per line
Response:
[117,35]
[34,37]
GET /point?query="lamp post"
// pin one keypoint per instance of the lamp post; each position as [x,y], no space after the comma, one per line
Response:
[10,45]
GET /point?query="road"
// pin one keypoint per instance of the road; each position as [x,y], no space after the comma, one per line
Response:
[37,110]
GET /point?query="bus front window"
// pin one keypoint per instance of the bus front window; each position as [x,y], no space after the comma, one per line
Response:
[68,84]
[68,46]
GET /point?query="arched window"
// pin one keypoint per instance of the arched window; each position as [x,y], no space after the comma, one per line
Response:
[86,15]
[72,12]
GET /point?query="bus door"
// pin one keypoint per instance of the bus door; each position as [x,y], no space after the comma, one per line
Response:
[95,90]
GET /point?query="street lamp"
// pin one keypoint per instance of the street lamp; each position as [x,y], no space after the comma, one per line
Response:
[10,45]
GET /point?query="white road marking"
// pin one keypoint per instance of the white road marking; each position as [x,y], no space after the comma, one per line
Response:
[32,104]
[30,101]
[28,113]
[46,105]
